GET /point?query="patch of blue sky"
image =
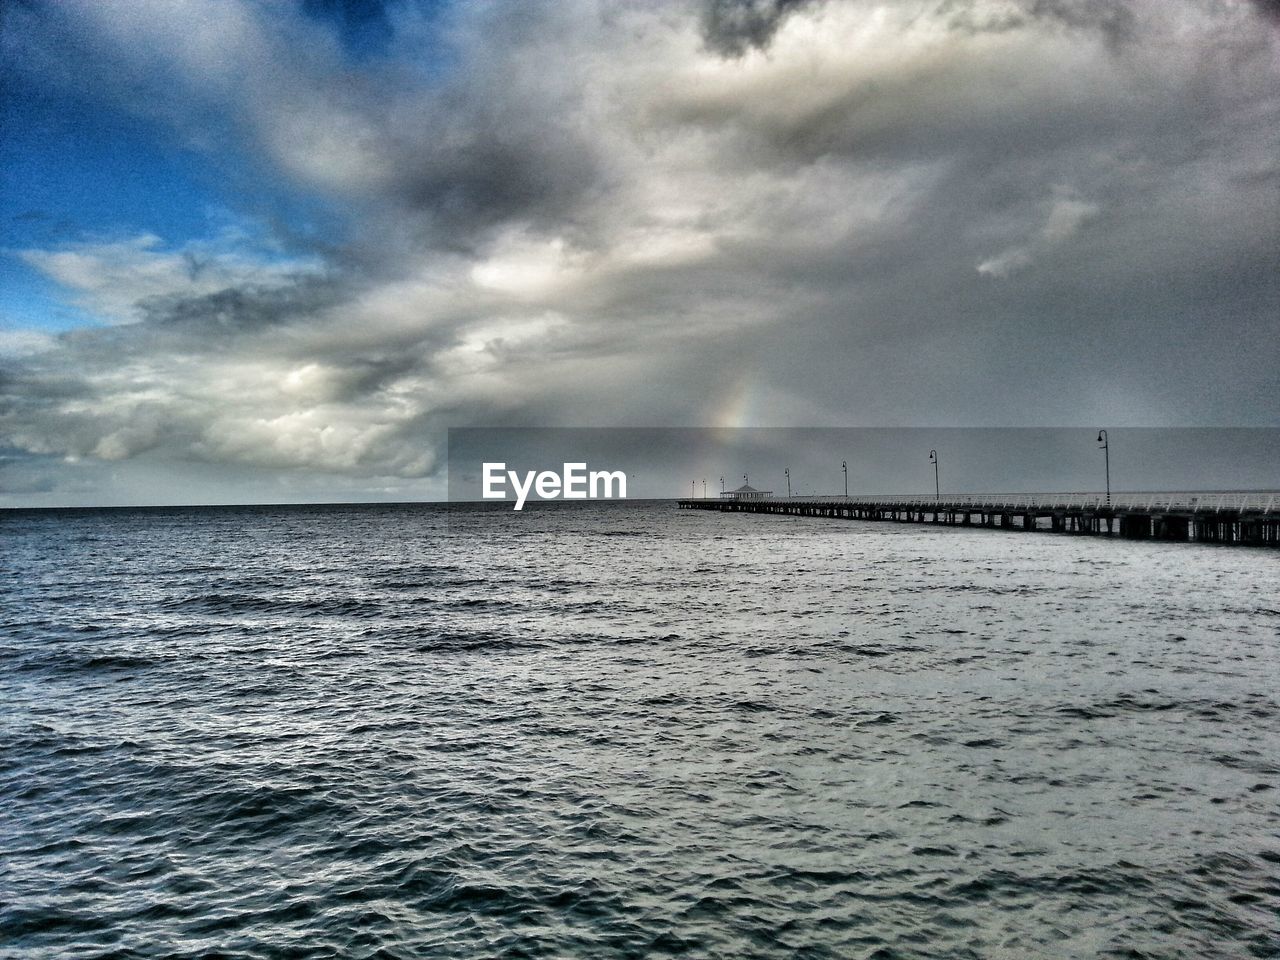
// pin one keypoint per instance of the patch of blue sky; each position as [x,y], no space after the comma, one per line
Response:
[410,33]
[31,301]
[363,25]
[75,170]
[79,173]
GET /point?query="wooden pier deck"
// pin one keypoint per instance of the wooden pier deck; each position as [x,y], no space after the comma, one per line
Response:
[1251,518]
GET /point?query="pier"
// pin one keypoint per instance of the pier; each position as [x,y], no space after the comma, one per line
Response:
[1206,517]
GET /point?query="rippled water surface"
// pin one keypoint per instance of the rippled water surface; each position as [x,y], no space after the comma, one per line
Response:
[626,730]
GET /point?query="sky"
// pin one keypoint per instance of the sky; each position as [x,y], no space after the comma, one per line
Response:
[273,251]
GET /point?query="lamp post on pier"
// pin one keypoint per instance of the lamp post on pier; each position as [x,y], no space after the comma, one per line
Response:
[693,489]
[1106,455]
[722,485]
[933,458]
[787,471]
[844,465]
[704,489]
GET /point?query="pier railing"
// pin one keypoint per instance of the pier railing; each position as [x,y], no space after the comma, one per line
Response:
[1264,502]
[1216,516]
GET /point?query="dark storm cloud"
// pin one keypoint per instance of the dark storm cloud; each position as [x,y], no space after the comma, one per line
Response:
[729,213]
[1114,20]
[996,107]
[239,310]
[731,27]
[1268,8]
[494,170]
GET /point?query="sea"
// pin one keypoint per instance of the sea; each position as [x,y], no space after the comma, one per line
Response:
[619,729]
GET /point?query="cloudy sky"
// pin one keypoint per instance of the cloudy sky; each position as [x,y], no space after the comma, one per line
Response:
[272,250]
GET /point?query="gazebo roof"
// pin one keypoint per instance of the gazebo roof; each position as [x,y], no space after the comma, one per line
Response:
[745,488]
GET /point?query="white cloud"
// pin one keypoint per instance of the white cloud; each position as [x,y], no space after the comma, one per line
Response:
[528,267]
[115,280]
[1003,264]
[1066,215]
[22,343]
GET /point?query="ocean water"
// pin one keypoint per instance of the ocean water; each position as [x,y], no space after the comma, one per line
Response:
[623,730]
